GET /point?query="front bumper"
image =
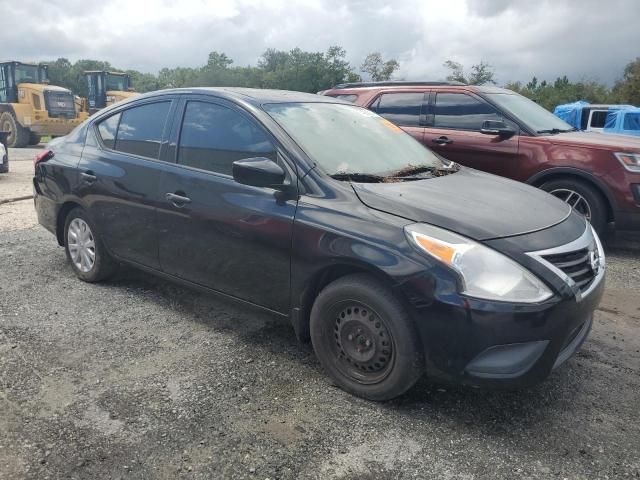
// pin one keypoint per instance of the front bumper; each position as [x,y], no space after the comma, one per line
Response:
[497,344]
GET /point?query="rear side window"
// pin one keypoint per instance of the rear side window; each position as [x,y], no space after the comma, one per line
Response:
[400,108]
[137,131]
[214,136]
[462,112]
[631,121]
[108,129]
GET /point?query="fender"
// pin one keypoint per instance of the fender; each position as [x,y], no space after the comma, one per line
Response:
[539,178]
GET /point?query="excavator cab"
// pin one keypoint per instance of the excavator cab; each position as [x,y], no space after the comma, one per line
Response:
[14,73]
[106,88]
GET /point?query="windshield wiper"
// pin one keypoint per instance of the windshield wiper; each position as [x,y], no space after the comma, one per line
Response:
[358,177]
[413,171]
[555,131]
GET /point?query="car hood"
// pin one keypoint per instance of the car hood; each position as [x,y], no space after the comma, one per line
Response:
[472,203]
[597,139]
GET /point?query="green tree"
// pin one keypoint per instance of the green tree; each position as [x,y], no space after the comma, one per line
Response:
[379,69]
[627,90]
[481,73]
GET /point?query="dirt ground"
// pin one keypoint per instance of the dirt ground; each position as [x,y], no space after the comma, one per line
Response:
[139,378]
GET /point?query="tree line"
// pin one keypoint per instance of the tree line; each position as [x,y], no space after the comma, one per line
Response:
[289,70]
[314,71]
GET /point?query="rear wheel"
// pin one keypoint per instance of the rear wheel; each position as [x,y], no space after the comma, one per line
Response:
[365,339]
[18,135]
[85,251]
[582,197]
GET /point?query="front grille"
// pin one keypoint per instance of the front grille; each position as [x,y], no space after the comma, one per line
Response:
[576,265]
[59,104]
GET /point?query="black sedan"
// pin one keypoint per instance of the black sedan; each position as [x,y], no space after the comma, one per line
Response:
[393,261]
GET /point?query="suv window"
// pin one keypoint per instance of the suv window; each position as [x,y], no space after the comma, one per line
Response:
[137,130]
[462,111]
[214,136]
[598,118]
[400,108]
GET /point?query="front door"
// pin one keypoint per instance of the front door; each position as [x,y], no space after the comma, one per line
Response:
[233,238]
[454,132]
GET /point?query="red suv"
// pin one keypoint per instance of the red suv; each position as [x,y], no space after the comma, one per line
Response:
[502,132]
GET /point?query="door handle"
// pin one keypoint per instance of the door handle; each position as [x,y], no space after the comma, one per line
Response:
[88,177]
[177,200]
[442,140]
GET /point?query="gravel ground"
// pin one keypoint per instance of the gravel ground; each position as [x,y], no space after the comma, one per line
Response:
[139,378]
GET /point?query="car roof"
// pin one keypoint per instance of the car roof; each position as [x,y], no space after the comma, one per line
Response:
[255,96]
[390,86]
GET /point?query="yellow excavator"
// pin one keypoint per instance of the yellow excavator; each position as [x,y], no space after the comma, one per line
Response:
[31,108]
[106,88]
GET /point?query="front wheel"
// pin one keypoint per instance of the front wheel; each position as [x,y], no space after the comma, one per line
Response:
[582,197]
[85,251]
[365,339]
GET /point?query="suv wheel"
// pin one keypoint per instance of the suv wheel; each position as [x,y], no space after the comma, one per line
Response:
[582,197]
[85,251]
[365,339]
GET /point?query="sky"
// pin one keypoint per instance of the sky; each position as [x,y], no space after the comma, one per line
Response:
[584,39]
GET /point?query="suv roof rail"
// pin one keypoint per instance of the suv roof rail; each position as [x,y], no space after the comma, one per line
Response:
[396,83]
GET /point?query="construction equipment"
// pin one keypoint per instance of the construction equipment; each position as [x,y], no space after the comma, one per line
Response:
[106,88]
[30,107]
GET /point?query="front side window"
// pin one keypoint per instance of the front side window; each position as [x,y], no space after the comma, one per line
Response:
[140,129]
[400,108]
[214,136]
[462,112]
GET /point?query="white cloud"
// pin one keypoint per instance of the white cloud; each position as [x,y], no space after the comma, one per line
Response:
[583,39]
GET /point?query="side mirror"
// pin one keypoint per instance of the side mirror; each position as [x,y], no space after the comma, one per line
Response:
[258,172]
[496,127]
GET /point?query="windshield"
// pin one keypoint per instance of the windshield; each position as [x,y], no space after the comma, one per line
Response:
[345,139]
[530,113]
[116,82]
[27,74]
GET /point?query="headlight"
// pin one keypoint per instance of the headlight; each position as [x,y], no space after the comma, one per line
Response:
[631,161]
[485,273]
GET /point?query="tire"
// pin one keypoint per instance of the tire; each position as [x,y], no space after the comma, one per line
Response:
[596,204]
[103,266]
[352,311]
[34,138]
[18,136]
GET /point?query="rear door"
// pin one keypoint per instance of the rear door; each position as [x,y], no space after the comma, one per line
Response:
[233,238]
[120,175]
[453,130]
[405,109]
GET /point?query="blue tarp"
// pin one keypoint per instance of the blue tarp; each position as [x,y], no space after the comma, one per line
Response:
[571,113]
[625,121]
